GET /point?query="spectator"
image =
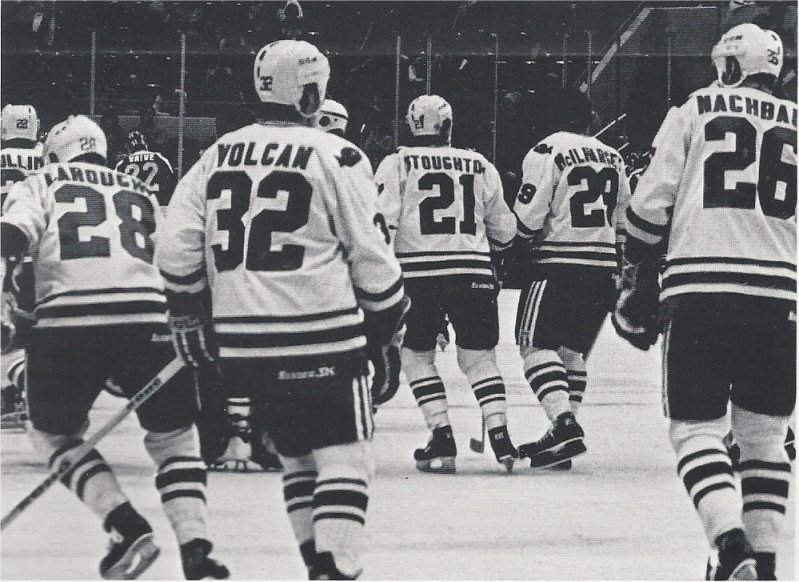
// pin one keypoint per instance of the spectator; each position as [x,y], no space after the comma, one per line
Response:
[114,134]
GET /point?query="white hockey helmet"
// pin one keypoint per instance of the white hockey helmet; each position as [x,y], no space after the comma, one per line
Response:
[747,50]
[427,114]
[332,116]
[76,136]
[292,72]
[20,122]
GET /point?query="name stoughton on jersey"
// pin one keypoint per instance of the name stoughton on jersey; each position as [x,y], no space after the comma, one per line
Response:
[16,164]
[448,210]
[574,191]
[91,239]
[724,173]
[286,216]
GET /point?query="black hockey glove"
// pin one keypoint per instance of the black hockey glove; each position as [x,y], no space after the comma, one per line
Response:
[636,314]
[192,330]
[385,331]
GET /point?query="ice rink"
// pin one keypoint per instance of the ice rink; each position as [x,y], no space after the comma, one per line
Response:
[621,513]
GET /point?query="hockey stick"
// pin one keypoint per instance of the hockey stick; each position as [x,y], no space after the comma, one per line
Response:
[70,461]
[479,446]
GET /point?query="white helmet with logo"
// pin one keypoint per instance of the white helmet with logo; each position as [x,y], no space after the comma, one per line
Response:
[427,115]
[332,117]
[76,136]
[20,122]
[747,50]
[292,72]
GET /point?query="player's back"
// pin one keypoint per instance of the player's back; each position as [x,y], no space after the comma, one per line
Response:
[93,255]
[17,163]
[153,169]
[573,189]
[448,208]
[734,219]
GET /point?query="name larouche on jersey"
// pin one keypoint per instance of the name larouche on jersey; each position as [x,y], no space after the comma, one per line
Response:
[447,208]
[88,226]
[270,209]
[724,164]
[574,190]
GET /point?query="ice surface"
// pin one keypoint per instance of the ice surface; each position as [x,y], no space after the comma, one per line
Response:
[621,513]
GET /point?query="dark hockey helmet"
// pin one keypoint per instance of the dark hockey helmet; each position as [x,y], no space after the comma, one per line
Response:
[135,142]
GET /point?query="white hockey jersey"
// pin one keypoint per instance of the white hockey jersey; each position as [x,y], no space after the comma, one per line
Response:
[447,208]
[574,190]
[722,187]
[281,221]
[16,164]
[91,237]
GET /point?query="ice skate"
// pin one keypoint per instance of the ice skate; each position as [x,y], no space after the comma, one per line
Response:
[13,413]
[196,563]
[439,454]
[504,450]
[563,441]
[324,568]
[132,548]
[734,560]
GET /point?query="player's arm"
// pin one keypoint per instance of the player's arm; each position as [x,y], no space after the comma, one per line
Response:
[647,223]
[374,270]
[540,177]
[388,178]
[167,179]
[500,222]
[180,256]
[619,217]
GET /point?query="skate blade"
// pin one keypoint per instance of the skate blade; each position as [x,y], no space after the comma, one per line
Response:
[746,570]
[545,461]
[140,555]
[13,420]
[523,449]
[564,466]
[233,465]
[508,462]
[437,465]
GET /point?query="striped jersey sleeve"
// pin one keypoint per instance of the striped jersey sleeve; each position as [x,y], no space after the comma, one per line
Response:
[389,188]
[540,177]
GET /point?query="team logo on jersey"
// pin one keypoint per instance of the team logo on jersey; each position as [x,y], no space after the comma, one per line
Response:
[542,148]
[348,158]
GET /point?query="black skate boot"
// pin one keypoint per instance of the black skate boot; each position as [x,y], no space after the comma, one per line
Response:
[504,450]
[766,565]
[324,568]
[196,563]
[439,454]
[562,441]
[132,549]
[735,559]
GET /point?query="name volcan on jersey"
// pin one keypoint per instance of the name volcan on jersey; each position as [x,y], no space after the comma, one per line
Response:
[253,154]
[30,162]
[104,178]
[466,165]
[765,110]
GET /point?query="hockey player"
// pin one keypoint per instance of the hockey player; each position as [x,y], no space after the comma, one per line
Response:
[447,208]
[21,153]
[151,168]
[332,118]
[722,188]
[101,312]
[278,223]
[573,186]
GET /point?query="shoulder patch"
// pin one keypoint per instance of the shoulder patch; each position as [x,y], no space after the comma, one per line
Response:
[542,148]
[348,157]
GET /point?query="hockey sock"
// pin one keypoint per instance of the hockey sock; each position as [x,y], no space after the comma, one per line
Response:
[427,386]
[765,476]
[181,480]
[575,375]
[489,389]
[546,375]
[299,482]
[706,471]
[91,479]
[339,503]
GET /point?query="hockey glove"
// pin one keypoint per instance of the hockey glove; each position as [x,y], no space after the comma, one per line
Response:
[385,331]
[192,331]
[636,314]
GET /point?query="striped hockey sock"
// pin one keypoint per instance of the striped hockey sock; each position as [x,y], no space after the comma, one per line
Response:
[181,481]
[490,394]
[577,382]
[546,375]
[298,493]
[432,399]
[764,485]
[91,479]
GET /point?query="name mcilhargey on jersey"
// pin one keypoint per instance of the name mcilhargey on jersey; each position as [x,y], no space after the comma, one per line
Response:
[584,155]
[102,177]
[766,110]
[29,161]
[253,154]
[466,165]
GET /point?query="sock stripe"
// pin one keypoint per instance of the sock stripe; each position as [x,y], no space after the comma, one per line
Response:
[183,493]
[181,476]
[544,392]
[179,459]
[695,455]
[88,474]
[428,391]
[341,481]
[492,390]
[424,381]
[705,471]
[754,485]
[300,475]
[298,505]
[752,464]
[297,490]
[490,400]
[763,505]
[346,498]
[92,458]
[69,445]
[492,380]
[715,487]
[529,372]
[338,515]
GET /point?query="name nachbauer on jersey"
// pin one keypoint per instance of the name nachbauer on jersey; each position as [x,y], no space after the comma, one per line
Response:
[722,185]
[448,210]
[574,190]
[91,239]
[281,221]
[15,165]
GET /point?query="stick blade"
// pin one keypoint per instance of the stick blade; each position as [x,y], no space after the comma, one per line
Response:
[477,446]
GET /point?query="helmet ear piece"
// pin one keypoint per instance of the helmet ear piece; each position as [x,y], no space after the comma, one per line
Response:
[311,100]
[732,74]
